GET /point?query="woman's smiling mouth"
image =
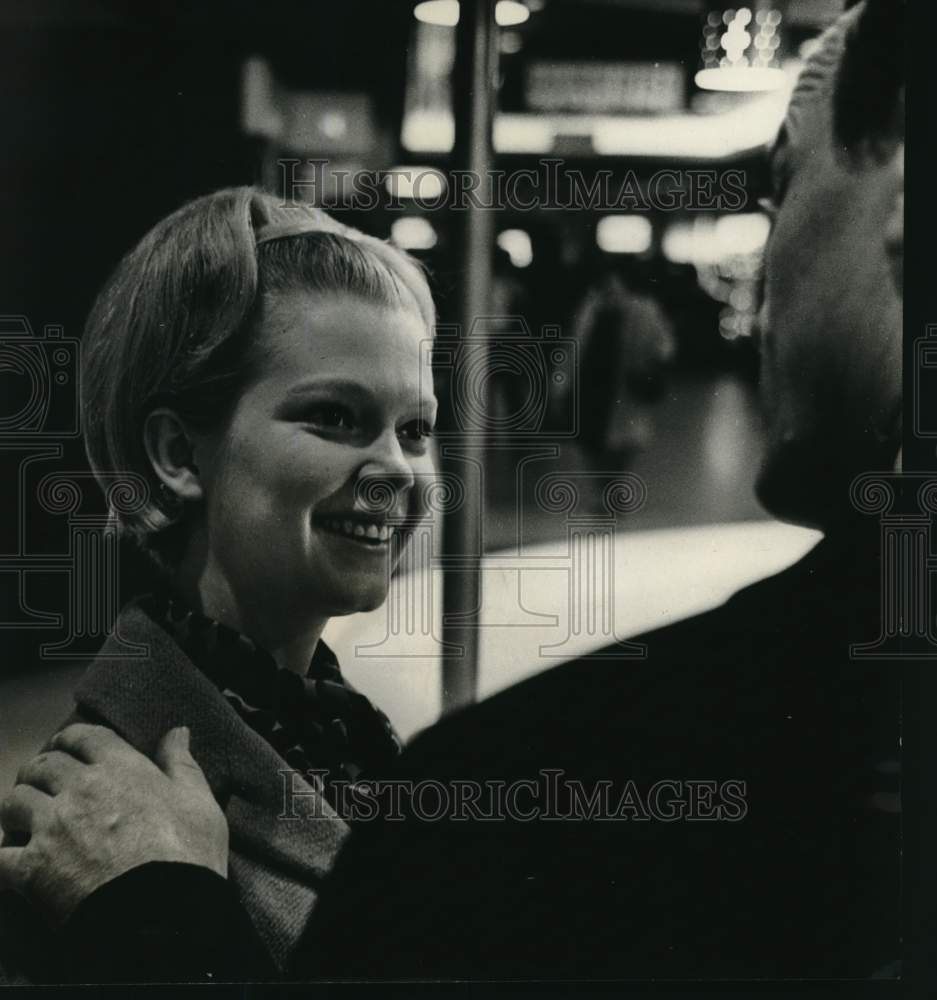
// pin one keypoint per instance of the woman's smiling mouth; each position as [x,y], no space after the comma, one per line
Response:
[372,534]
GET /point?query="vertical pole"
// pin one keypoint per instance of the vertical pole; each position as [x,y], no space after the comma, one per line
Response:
[473,99]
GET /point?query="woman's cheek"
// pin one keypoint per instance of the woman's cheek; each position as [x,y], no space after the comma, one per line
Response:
[426,493]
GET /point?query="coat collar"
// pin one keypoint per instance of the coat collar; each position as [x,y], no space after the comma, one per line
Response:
[141,697]
[281,849]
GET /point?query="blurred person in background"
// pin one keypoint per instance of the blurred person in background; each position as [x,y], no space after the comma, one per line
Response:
[802,879]
[625,342]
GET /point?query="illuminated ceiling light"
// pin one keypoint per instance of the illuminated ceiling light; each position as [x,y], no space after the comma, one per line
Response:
[522,134]
[428,131]
[420,183]
[679,244]
[623,234]
[509,13]
[445,13]
[716,136]
[741,79]
[413,233]
[744,57]
[334,125]
[705,241]
[516,244]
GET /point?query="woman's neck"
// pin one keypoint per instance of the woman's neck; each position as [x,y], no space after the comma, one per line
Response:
[288,637]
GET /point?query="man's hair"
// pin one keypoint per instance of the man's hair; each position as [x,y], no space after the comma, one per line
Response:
[868,106]
[176,325]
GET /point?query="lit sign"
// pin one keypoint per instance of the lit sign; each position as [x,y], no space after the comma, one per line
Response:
[605,87]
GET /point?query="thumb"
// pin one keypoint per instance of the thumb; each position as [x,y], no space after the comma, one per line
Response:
[174,758]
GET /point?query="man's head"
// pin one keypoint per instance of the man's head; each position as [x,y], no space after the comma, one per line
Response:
[830,324]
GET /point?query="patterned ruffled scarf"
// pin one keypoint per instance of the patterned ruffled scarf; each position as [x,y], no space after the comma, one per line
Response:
[317,723]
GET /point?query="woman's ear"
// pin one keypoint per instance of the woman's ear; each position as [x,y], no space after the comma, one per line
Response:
[169,449]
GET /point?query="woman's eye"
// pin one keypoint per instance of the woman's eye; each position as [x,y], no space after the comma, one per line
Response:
[417,430]
[331,417]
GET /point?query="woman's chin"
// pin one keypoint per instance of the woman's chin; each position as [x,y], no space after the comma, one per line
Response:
[348,601]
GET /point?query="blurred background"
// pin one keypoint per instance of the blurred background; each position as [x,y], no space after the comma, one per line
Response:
[627,160]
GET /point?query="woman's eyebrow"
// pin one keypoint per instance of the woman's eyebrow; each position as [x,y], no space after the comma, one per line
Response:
[330,384]
[350,387]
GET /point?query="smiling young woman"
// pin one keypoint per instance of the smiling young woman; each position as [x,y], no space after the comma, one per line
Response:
[263,369]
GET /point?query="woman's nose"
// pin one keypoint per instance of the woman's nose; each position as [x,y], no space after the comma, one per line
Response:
[387,471]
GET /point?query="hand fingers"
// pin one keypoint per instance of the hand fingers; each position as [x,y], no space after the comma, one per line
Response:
[24,810]
[176,761]
[89,743]
[50,772]
[12,875]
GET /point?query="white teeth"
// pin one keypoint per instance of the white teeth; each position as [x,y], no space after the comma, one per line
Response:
[377,533]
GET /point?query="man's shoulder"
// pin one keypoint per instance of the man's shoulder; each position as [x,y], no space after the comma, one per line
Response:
[714,704]
[756,640]
[608,695]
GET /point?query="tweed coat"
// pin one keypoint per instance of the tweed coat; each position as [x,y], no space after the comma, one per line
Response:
[283,836]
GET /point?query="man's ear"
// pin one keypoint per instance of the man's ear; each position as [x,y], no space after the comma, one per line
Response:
[169,449]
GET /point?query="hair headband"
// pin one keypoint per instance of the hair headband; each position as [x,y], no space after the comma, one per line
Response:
[285,229]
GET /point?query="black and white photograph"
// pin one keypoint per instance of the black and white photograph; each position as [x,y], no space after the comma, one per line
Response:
[469,505]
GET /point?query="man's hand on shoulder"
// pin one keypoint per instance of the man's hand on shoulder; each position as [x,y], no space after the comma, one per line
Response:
[91,808]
